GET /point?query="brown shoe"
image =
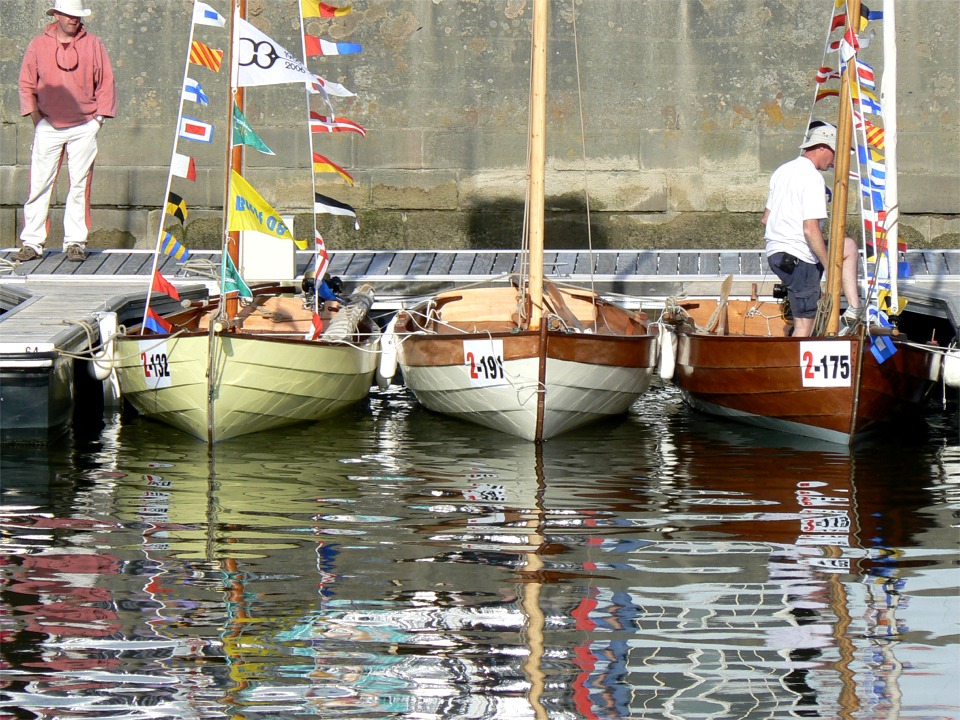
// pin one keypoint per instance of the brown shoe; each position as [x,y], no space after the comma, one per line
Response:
[25,254]
[75,253]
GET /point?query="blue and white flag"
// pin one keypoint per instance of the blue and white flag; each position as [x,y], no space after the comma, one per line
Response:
[193,92]
[203,14]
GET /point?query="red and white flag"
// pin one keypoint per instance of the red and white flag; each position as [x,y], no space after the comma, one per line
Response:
[183,166]
[322,259]
[193,129]
[331,124]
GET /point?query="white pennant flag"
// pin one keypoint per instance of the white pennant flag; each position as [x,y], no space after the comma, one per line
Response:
[203,14]
[258,60]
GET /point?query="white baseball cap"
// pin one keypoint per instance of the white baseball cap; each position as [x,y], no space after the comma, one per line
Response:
[73,8]
[825,134]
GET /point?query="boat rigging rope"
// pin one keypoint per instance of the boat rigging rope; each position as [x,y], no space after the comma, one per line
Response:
[583,140]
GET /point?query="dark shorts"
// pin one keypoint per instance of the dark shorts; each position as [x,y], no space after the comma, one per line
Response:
[802,283]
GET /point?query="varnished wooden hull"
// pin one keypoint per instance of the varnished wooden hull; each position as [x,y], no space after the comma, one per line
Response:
[773,382]
[586,376]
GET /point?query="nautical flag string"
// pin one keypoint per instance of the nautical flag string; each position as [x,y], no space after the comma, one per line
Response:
[327,205]
[243,134]
[203,14]
[196,130]
[177,207]
[193,92]
[156,323]
[161,284]
[311,8]
[318,46]
[183,166]
[205,55]
[325,88]
[325,165]
[332,124]
[170,246]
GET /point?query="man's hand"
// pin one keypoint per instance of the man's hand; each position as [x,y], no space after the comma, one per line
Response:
[818,246]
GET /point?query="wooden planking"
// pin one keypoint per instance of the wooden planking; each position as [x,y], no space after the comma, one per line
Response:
[669,263]
[399,265]
[483,264]
[709,263]
[751,263]
[504,263]
[688,264]
[359,264]
[442,263]
[647,263]
[421,264]
[936,265]
[462,264]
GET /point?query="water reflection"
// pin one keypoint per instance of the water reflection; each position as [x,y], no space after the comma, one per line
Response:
[390,563]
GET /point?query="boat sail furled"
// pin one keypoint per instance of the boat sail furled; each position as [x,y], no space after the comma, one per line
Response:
[249,359]
[736,358]
[532,359]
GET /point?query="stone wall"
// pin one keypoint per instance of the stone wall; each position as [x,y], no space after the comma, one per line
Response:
[687,107]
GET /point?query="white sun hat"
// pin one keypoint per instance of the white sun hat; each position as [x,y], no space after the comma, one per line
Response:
[73,8]
[825,134]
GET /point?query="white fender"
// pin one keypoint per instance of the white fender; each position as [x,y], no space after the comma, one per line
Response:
[389,344]
[103,365]
[668,353]
[951,368]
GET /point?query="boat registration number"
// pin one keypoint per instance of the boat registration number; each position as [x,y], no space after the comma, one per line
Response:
[155,363]
[825,363]
[484,361]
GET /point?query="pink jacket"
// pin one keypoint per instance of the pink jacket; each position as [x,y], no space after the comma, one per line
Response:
[66,98]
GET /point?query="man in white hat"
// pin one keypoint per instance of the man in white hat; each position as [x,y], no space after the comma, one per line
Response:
[67,88]
[796,250]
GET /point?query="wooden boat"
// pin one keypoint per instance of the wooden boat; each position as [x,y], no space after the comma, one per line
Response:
[735,358]
[531,359]
[224,368]
[215,382]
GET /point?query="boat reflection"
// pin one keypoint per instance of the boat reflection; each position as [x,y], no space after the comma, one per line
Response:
[383,565]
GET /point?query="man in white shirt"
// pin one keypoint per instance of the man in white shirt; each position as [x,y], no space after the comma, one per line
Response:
[796,250]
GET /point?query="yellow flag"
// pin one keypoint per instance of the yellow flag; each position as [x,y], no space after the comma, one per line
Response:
[249,211]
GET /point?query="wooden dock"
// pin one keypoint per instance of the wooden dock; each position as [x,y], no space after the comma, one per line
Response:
[49,307]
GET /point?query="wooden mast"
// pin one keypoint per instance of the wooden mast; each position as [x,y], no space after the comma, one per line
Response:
[538,125]
[888,102]
[234,159]
[841,181]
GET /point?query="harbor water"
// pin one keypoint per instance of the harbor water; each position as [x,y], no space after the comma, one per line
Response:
[393,563]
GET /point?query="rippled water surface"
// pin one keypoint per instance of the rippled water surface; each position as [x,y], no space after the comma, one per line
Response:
[392,563]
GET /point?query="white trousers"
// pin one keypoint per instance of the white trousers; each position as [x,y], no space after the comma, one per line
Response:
[79,144]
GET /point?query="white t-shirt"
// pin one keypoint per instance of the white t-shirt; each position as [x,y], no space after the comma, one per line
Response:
[797,193]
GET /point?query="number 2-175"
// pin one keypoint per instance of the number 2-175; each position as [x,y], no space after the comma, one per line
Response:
[827,366]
